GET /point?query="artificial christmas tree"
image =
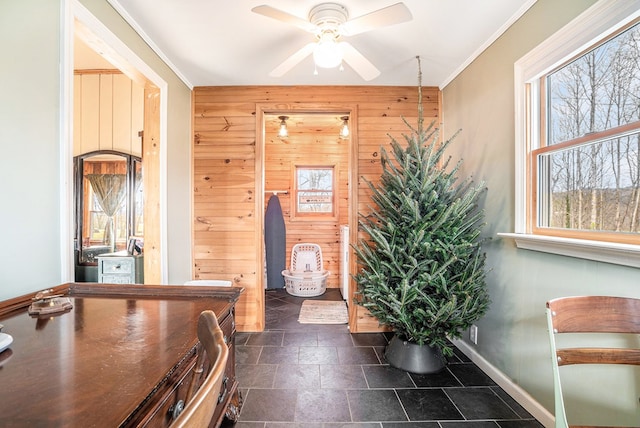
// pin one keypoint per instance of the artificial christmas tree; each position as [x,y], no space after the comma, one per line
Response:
[422,266]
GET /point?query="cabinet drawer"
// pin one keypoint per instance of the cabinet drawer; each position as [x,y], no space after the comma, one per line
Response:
[121,269]
[175,402]
[124,266]
[172,394]
[116,279]
[228,327]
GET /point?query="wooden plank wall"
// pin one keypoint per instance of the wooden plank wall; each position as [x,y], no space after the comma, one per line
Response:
[228,188]
[151,183]
[108,112]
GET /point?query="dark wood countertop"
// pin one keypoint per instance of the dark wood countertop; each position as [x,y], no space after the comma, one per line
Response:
[98,363]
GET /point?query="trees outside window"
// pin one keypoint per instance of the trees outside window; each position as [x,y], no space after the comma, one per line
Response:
[314,191]
[586,164]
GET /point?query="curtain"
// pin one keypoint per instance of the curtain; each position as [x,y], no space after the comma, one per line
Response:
[110,190]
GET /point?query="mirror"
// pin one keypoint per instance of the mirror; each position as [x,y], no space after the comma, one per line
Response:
[109,206]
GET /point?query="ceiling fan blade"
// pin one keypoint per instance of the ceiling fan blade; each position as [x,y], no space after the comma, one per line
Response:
[390,15]
[280,15]
[358,62]
[293,60]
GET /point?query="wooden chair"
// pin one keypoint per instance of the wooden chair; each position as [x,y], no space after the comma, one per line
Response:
[199,409]
[590,314]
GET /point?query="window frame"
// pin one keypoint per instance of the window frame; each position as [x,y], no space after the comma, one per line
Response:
[573,233]
[543,147]
[595,24]
[297,215]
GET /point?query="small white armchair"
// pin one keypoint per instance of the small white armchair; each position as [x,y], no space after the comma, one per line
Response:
[209,282]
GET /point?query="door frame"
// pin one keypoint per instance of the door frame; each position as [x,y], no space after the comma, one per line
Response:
[123,58]
[263,109]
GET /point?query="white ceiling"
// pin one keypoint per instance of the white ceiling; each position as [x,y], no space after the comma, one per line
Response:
[221,42]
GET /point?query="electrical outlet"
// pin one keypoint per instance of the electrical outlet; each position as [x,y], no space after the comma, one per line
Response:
[473,334]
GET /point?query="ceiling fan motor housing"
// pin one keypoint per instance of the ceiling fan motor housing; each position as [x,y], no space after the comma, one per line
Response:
[328,17]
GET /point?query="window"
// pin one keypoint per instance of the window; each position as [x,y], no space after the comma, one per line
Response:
[314,192]
[578,138]
[586,163]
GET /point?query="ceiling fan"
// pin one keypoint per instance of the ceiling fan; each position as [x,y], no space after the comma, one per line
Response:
[330,22]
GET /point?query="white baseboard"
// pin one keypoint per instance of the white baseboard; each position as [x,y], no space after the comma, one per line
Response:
[515,391]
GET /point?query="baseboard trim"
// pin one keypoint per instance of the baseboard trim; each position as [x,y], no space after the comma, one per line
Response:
[520,395]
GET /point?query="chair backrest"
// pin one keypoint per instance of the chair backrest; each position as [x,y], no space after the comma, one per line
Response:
[209,282]
[589,314]
[199,409]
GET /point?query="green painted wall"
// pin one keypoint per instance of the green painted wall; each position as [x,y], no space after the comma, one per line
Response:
[513,335]
[29,134]
[30,118]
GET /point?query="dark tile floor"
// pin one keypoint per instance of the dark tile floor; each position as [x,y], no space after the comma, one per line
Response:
[304,375]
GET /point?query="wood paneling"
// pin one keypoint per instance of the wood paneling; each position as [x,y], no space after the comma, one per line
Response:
[230,181]
[107,133]
[108,112]
[151,184]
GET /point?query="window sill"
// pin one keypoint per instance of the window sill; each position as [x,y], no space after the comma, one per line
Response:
[607,252]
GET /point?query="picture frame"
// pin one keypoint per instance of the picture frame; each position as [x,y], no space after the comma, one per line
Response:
[131,245]
[135,245]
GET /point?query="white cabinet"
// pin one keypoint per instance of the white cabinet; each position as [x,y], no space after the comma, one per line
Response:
[344,263]
[120,268]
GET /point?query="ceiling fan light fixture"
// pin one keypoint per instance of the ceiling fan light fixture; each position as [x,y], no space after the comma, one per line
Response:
[282,131]
[330,22]
[327,53]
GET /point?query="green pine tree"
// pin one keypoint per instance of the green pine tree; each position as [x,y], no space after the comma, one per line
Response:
[422,266]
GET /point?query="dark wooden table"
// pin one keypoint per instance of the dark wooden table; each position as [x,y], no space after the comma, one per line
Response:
[122,356]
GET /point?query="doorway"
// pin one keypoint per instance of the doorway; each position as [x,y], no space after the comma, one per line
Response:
[114,55]
[313,146]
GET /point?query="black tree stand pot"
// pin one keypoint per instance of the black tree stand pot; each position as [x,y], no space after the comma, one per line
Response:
[414,358]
